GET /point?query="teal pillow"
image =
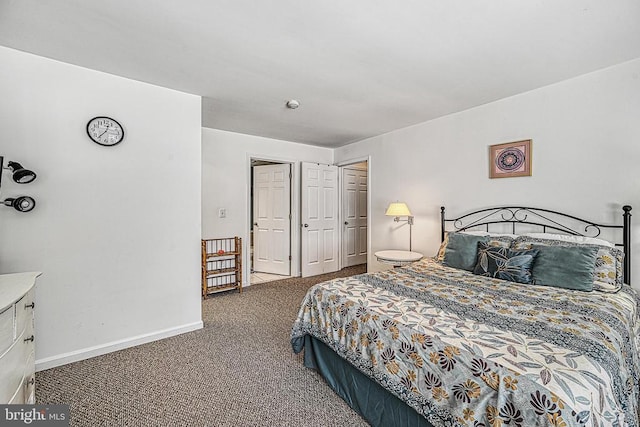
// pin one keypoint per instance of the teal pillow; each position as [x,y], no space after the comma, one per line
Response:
[462,250]
[505,264]
[565,267]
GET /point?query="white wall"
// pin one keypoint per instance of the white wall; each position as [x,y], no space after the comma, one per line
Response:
[226,182]
[115,230]
[586,149]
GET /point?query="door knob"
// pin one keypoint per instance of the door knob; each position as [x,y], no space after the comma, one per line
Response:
[346,223]
[306,225]
[255,224]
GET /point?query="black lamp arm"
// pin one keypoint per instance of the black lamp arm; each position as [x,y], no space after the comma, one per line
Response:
[14,165]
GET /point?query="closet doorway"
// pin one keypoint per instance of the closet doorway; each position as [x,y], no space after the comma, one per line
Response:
[334,216]
[270,248]
[354,213]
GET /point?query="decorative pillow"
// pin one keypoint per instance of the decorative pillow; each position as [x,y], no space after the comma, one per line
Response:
[505,264]
[608,263]
[569,267]
[570,238]
[459,249]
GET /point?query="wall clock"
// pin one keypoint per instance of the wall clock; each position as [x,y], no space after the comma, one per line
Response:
[105,131]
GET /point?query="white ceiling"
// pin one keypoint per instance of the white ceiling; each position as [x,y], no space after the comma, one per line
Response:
[358,67]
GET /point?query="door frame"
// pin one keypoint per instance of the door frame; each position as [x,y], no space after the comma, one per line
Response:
[295,214]
[341,165]
[270,265]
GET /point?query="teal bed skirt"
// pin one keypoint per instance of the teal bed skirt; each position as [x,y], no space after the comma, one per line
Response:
[376,405]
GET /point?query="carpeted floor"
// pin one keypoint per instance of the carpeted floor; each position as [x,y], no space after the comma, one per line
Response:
[237,371]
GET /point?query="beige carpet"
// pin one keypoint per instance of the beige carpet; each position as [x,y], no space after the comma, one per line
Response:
[237,371]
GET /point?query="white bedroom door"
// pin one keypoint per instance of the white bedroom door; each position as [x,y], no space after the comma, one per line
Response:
[354,216]
[319,219]
[272,219]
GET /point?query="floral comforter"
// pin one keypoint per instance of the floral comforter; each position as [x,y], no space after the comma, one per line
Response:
[467,350]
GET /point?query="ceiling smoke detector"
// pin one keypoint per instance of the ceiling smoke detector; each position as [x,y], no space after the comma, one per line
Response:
[293,104]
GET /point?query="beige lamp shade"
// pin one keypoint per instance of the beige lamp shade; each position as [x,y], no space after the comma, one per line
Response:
[398,209]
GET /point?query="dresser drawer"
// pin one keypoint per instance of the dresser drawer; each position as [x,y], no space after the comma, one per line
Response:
[6,328]
[26,394]
[29,382]
[24,312]
[12,367]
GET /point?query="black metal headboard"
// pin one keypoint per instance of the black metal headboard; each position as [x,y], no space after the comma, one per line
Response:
[547,220]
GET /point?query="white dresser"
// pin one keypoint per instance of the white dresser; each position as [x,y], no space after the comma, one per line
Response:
[17,339]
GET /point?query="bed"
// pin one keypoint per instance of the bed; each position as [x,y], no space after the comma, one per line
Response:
[435,344]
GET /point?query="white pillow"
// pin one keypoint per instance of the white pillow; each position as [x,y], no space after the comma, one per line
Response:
[485,233]
[573,239]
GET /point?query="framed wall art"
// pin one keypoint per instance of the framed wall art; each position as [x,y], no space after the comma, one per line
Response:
[510,159]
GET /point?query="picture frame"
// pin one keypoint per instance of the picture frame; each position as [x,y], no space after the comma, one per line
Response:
[510,159]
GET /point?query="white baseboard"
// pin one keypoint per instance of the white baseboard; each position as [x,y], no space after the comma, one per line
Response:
[98,350]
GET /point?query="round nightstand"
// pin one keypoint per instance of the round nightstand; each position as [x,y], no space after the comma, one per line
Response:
[398,258]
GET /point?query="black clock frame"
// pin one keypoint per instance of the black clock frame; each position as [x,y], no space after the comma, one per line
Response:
[108,118]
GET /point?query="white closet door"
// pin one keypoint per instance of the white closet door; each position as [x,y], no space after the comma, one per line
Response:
[319,219]
[354,214]
[272,219]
